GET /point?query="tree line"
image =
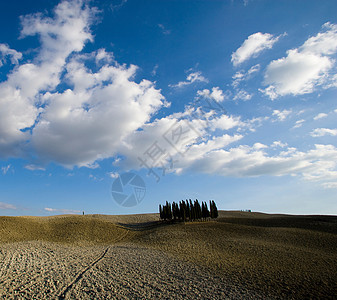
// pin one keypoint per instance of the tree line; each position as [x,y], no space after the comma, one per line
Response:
[188,210]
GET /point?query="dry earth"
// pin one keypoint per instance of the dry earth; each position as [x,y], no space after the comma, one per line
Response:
[239,256]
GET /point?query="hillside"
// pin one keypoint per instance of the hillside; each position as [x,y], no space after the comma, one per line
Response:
[277,255]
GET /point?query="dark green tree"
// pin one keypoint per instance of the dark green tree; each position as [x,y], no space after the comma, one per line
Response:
[161,212]
[213,209]
[197,209]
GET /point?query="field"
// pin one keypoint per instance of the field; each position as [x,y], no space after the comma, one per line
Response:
[241,255]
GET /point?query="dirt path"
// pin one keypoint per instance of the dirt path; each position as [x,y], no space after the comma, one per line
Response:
[41,270]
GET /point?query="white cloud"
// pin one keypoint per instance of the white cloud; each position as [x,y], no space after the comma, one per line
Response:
[164,29]
[226,122]
[242,95]
[299,123]
[324,43]
[279,144]
[113,174]
[154,71]
[103,56]
[12,54]
[252,46]
[296,74]
[216,94]
[84,123]
[32,167]
[20,97]
[61,210]
[102,110]
[5,169]
[240,76]
[7,206]
[304,68]
[318,164]
[191,78]
[320,116]
[318,132]
[281,115]
[258,146]
[117,6]
[330,185]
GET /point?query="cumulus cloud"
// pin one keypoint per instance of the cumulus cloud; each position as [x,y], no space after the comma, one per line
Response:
[320,116]
[7,206]
[5,169]
[174,142]
[8,53]
[304,68]
[318,132]
[240,76]
[253,46]
[62,210]
[88,119]
[299,123]
[32,167]
[226,122]
[113,174]
[164,29]
[318,164]
[242,95]
[191,78]
[20,99]
[281,115]
[102,109]
[216,94]
[116,5]
[279,144]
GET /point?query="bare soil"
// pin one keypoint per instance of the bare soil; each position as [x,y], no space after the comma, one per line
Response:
[239,256]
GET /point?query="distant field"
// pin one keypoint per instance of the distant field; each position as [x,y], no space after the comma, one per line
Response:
[241,255]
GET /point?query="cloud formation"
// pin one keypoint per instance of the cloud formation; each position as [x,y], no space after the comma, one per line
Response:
[318,132]
[191,78]
[318,164]
[62,210]
[281,115]
[21,100]
[253,46]
[7,206]
[5,169]
[304,68]
[85,121]
[320,116]
[7,53]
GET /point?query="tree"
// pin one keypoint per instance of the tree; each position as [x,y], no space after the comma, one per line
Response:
[188,210]
[204,211]
[214,209]
[197,209]
[161,213]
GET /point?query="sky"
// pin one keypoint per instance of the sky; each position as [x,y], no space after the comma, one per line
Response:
[115,107]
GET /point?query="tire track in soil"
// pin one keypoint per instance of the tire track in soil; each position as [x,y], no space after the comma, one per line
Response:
[63,294]
[20,283]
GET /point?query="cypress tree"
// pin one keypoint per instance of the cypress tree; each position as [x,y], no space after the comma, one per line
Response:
[214,209]
[207,211]
[188,211]
[216,214]
[192,210]
[174,212]
[211,209]
[161,212]
[197,209]
[169,210]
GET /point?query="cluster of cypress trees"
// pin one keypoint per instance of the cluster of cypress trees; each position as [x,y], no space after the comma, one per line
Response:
[188,211]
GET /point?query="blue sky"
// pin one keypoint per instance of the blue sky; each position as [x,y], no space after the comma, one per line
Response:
[227,100]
